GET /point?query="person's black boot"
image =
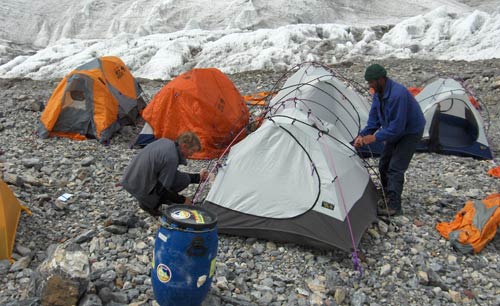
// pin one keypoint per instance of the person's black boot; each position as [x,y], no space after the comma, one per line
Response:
[388,211]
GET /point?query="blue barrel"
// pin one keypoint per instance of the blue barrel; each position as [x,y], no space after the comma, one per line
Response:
[184,256]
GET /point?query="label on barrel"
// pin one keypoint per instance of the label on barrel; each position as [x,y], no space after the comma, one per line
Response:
[198,217]
[181,214]
[162,237]
[163,273]
[188,216]
[212,267]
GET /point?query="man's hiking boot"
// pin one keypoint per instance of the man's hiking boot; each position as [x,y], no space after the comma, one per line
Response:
[381,203]
[388,211]
[380,192]
[155,212]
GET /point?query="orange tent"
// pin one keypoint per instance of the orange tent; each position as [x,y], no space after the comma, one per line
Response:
[203,101]
[93,101]
[10,210]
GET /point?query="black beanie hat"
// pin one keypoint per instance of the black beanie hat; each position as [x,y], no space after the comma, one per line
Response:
[375,72]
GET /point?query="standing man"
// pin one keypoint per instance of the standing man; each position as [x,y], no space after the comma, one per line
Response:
[152,176]
[396,119]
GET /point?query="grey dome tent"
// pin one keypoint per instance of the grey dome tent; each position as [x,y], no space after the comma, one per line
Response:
[331,97]
[453,124]
[294,179]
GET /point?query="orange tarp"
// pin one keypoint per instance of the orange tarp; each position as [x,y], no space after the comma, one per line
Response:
[203,101]
[10,210]
[413,90]
[258,98]
[468,235]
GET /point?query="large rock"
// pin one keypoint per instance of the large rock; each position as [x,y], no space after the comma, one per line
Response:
[63,277]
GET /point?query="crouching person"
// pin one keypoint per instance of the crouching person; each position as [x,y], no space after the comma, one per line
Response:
[152,176]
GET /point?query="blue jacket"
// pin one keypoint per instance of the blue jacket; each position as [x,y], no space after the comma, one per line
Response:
[401,114]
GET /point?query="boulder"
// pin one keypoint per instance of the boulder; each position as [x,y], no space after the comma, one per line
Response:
[63,278]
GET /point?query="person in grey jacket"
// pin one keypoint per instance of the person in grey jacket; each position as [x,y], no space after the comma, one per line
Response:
[152,176]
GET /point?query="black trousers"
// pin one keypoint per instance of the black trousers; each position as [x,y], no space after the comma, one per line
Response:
[393,164]
[170,195]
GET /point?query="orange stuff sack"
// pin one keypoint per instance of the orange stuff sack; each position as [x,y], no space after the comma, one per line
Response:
[474,102]
[474,225]
[414,90]
[494,172]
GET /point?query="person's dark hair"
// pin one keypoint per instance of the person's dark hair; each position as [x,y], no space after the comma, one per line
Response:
[190,139]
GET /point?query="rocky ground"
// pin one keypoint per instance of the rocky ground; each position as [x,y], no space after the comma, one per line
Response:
[405,262]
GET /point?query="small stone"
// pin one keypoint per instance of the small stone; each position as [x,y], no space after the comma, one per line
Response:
[374,233]
[315,285]
[21,264]
[383,227]
[266,298]
[469,294]
[358,299]
[222,283]
[117,229]
[36,106]
[32,163]
[24,251]
[436,267]
[423,278]
[4,266]
[87,161]
[385,270]
[339,295]
[302,291]
[13,179]
[60,205]
[90,300]
[141,245]
[316,299]
[418,223]
[495,85]
[270,246]
[455,296]
[86,236]
[108,276]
